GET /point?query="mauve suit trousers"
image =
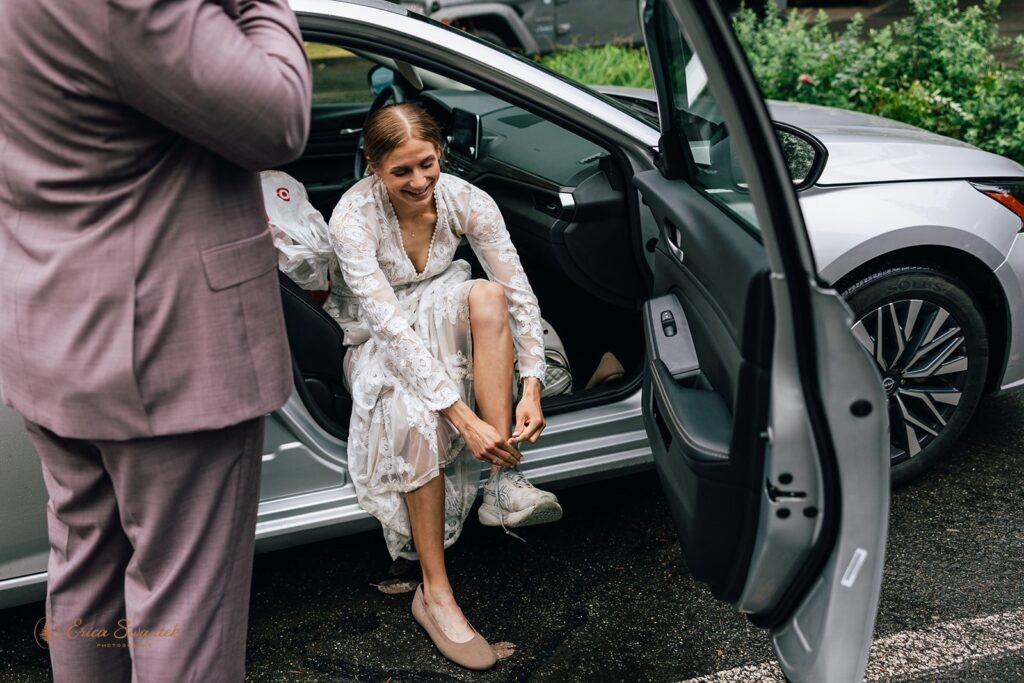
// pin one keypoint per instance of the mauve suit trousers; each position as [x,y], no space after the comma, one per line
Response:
[151,535]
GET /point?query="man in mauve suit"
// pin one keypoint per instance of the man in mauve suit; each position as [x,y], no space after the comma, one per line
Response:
[141,334]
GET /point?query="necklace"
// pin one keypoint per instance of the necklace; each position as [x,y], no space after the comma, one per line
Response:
[396,227]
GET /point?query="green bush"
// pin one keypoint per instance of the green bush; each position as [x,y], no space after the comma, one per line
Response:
[935,69]
[605,65]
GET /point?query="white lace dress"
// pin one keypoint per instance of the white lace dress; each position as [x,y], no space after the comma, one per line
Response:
[410,349]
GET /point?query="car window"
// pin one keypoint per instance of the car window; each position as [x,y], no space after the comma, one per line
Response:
[339,76]
[696,115]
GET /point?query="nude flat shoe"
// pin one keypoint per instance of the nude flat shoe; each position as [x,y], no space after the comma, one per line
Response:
[608,370]
[475,653]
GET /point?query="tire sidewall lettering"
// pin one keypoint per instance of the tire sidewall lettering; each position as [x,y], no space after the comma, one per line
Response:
[907,285]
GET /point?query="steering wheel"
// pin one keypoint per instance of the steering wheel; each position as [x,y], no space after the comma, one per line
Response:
[391,92]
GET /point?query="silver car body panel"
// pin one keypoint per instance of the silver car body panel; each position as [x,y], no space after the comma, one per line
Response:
[870,149]
[852,225]
[305,494]
[1009,274]
[820,640]
[25,547]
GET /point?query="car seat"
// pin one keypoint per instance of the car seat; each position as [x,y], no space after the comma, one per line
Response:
[317,349]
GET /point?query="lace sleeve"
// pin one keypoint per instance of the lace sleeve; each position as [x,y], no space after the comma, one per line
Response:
[485,229]
[355,244]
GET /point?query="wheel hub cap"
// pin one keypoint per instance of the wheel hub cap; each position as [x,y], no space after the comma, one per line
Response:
[921,351]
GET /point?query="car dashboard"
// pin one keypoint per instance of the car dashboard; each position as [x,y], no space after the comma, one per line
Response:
[562,198]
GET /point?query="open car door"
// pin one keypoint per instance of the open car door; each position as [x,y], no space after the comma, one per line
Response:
[766,418]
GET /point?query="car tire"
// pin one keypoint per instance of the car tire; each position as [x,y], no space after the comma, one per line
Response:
[491,37]
[933,382]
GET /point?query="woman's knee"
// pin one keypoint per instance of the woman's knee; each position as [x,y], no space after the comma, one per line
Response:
[487,305]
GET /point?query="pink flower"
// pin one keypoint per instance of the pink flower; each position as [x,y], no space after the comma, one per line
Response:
[806,79]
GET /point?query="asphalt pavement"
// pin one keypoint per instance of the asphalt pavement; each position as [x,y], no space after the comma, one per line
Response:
[604,595]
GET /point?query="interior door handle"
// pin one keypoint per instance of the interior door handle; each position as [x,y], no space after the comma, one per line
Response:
[673,238]
[350,131]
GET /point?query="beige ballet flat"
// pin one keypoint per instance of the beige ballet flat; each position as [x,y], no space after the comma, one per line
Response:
[475,653]
[608,370]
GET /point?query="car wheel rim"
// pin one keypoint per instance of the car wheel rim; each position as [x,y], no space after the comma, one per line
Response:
[921,351]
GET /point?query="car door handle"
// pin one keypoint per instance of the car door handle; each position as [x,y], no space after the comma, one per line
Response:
[673,238]
[350,131]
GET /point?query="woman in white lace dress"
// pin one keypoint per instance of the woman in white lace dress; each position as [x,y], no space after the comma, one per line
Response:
[430,360]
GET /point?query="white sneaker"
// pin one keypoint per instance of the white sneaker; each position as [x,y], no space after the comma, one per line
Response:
[510,500]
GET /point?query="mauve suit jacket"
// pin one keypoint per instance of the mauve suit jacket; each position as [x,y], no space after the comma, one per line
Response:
[138,292]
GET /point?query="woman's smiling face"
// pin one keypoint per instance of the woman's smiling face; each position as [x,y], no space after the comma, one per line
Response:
[410,172]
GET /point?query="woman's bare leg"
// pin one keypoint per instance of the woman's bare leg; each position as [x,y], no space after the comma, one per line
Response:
[426,516]
[492,355]
[492,383]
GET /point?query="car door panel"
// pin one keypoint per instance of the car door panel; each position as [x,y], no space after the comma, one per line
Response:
[720,261]
[25,545]
[326,166]
[710,274]
[788,522]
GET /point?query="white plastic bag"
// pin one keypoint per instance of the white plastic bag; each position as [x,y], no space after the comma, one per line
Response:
[298,229]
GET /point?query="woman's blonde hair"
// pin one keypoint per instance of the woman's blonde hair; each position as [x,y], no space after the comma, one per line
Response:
[392,125]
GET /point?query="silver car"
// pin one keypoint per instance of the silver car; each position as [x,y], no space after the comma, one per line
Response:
[920,234]
[677,244]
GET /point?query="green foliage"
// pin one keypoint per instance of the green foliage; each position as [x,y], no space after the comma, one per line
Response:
[605,65]
[935,69]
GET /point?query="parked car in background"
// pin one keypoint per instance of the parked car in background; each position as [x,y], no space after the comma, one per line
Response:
[537,26]
[540,26]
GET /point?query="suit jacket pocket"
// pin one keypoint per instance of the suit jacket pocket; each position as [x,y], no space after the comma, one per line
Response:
[227,265]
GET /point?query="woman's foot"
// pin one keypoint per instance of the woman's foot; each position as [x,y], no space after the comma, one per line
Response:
[510,500]
[447,614]
[474,653]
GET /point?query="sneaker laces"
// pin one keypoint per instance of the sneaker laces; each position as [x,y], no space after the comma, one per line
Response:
[501,513]
[517,478]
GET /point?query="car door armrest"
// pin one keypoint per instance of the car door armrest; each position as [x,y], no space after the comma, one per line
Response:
[699,419]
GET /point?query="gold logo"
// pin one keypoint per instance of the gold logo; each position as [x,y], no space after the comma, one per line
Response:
[42,633]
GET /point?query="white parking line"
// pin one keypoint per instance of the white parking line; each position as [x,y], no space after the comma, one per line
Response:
[914,653]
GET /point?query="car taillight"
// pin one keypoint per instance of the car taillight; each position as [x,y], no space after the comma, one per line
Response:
[1009,193]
